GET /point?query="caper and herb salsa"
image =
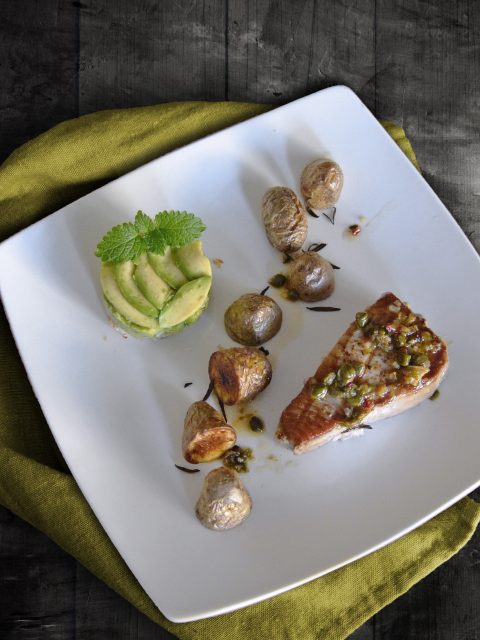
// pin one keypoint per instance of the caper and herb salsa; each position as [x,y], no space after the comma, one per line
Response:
[256,424]
[237,458]
[278,280]
[406,348]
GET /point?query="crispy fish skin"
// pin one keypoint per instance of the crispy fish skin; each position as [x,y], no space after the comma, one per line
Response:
[308,422]
[239,373]
[206,435]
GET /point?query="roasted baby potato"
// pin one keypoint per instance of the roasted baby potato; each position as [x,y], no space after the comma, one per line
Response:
[206,435]
[253,319]
[321,184]
[310,277]
[239,373]
[285,219]
[224,502]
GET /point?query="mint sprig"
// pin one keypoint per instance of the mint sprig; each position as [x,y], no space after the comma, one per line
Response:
[168,229]
[143,223]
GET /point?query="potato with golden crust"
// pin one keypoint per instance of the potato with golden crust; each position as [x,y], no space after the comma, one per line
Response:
[224,502]
[285,219]
[206,435]
[310,277]
[239,374]
[253,319]
[321,184]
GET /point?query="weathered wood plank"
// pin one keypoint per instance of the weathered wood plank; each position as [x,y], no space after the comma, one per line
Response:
[38,68]
[278,51]
[37,582]
[138,53]
[101,613]
[427,80]
[365,632]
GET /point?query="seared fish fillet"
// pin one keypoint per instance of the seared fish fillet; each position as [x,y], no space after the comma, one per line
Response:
[386,362]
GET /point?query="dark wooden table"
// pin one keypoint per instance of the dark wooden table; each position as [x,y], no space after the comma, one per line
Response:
[412,61]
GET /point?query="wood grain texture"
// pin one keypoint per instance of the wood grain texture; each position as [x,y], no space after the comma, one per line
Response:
[37,584]
[38,68]
[100,613]
[139,53]
[416,62]
[428,81]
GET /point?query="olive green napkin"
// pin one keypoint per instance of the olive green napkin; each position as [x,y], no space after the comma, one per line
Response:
[59,166]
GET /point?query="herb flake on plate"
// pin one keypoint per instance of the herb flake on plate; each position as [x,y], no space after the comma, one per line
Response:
[186,470]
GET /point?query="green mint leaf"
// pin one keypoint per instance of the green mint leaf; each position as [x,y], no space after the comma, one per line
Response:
[156,242]
[169,228]
[121,243]
[177,228]
[143,223]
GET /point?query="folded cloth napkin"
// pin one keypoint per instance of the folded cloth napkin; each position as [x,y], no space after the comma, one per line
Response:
[59,166]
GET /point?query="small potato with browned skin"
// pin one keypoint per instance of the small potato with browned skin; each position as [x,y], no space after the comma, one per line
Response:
[285,219]
[239,374]
[310,277]
[206,435]
[224,502]
[321,184]
[253,319]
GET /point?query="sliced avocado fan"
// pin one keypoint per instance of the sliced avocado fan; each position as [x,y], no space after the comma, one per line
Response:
[127,285]
[154,288]
[158,295]
[116,299]
[165,268]
[192,261]
[186,303]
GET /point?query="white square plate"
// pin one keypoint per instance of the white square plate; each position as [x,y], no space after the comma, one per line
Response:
[116,406]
